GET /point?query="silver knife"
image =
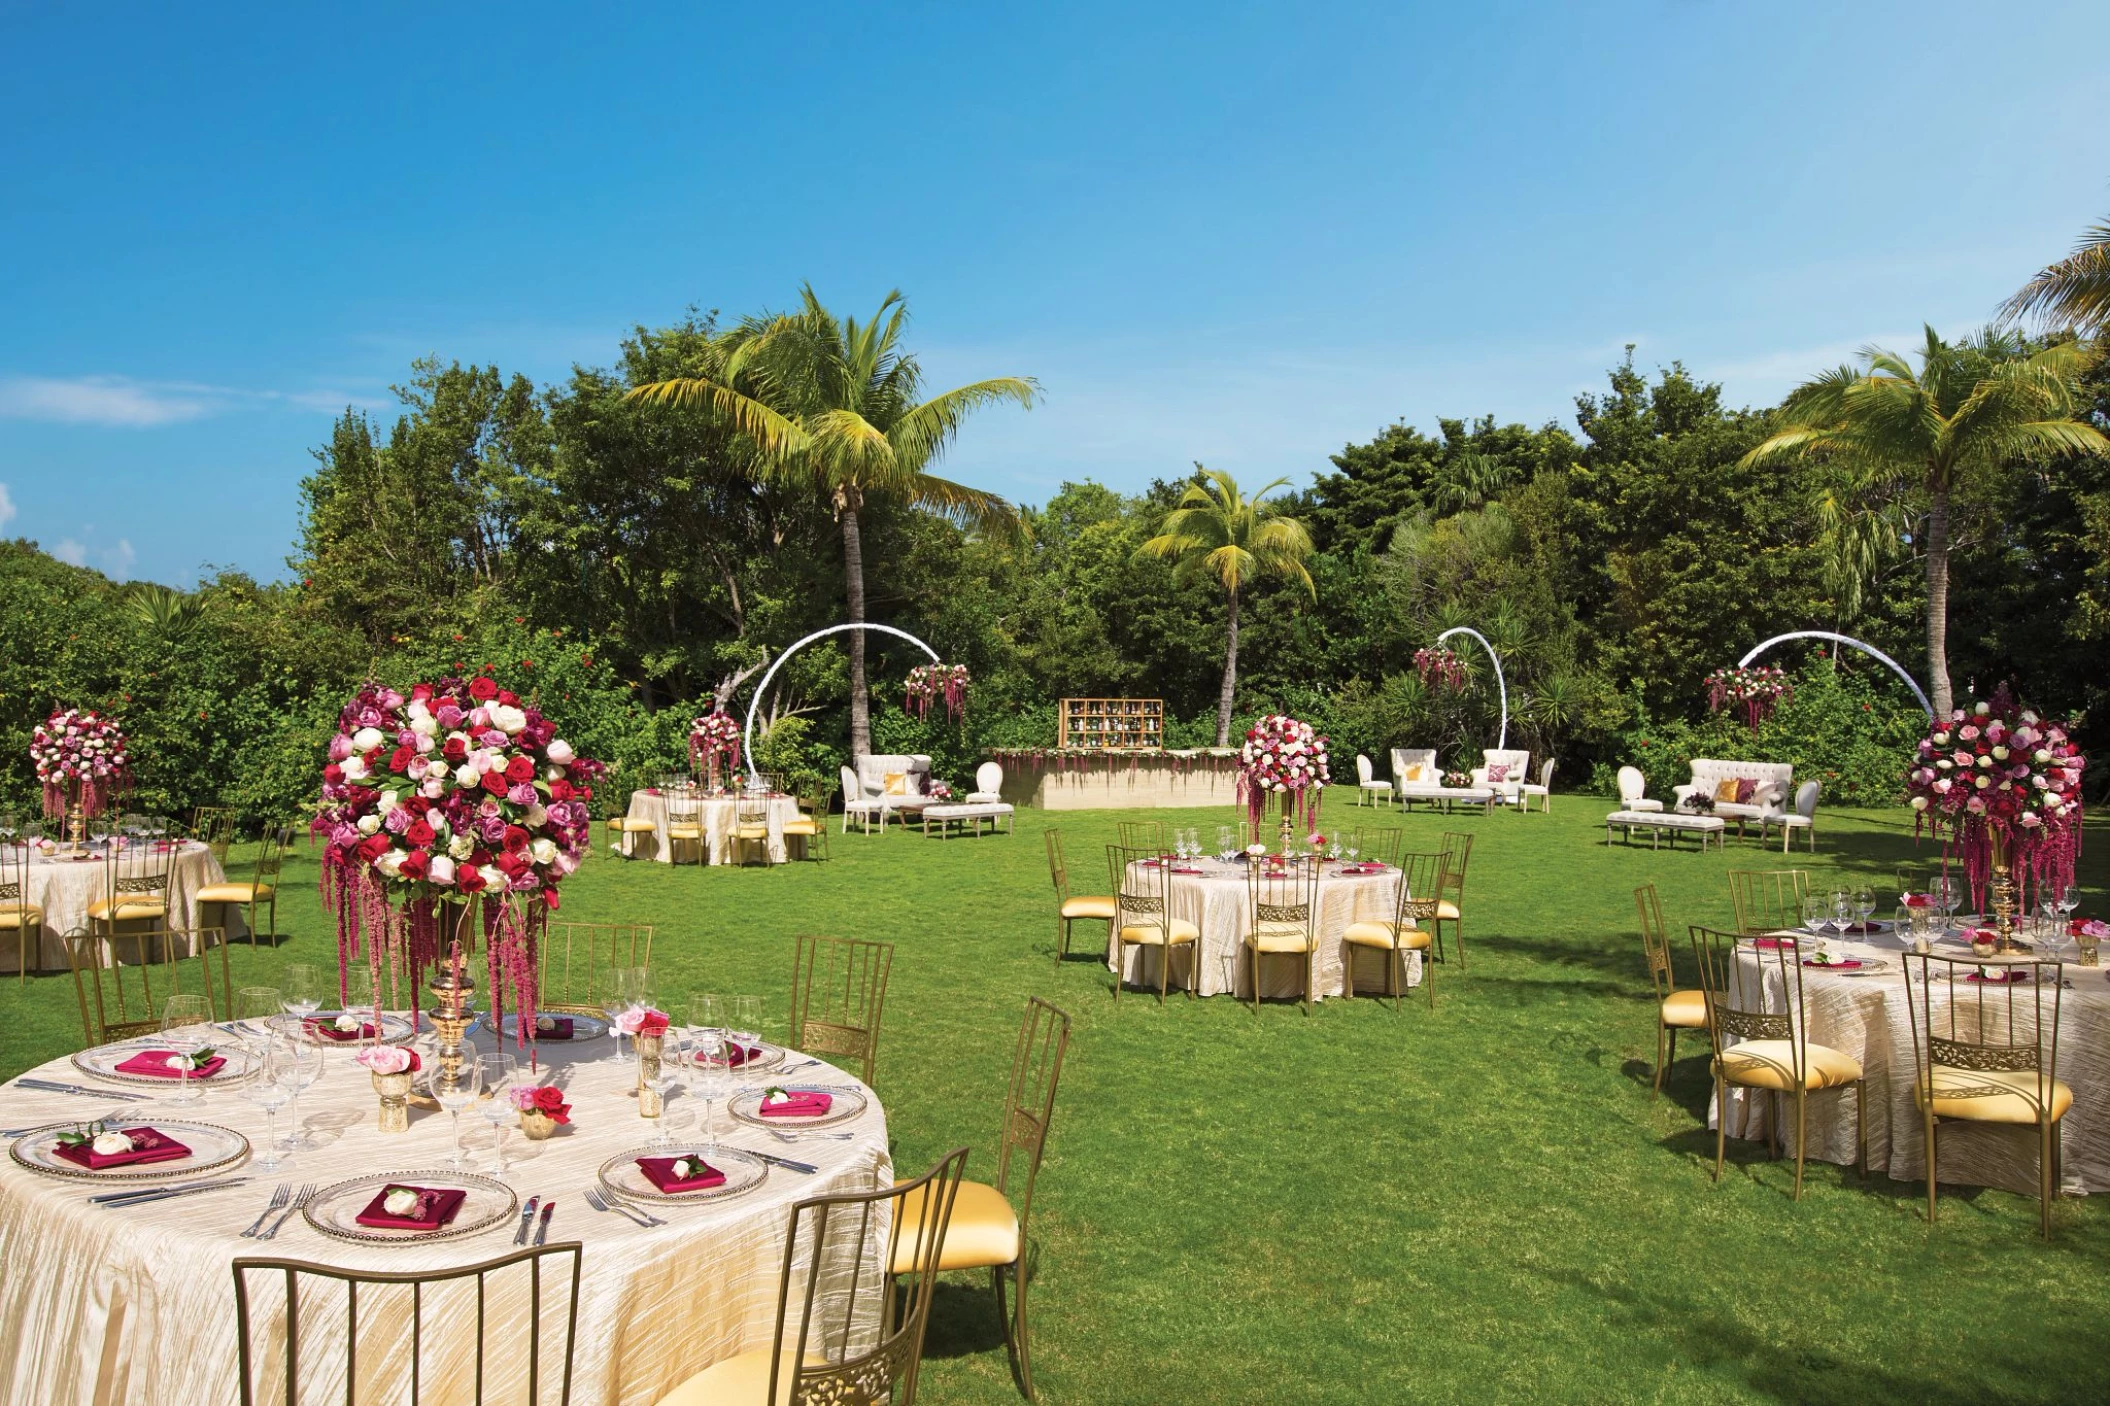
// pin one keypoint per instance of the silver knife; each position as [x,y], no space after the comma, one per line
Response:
[808,1168]
[46,1086]
[527,1214]
[542,1227]
[140,1198]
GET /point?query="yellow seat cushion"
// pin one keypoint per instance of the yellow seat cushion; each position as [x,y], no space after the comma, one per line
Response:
[2020,1106]
[1153,934]
[235,893]
[614,822]
[1686,1009]
[632,825]
[1089,905]
[751,832]
[1770,1064]
[804,825]
[18,915]
[983,1230]
[1386,934]
[1446,910]
[684,832]
[129,909]
[1280,937]
[743,1379]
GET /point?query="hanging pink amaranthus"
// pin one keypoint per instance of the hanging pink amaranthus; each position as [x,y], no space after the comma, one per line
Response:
[929,683]
[1758,689]
[1287,758]
[80,753]
[1440,667]
[457,793]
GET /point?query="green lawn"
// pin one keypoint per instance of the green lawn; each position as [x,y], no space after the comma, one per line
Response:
[1483,1203]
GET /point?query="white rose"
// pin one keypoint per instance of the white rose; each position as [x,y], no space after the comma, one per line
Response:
[537,816]
[1985,761]
[508,720]
[544,851]
[354,768]
[2000,754]
[467,775]
[2043,756]
[417,709]
[417,768]
[388,803]
[366,739]
[400,1202]
[561,753]
[390,863]
[495,877]
[460,846]
[1984,781]
[368,824]
[110,1144]
[553,773]
[1982,709]
[434,786]
[346,1022]
[426,726]
[442,869]
[1919,802]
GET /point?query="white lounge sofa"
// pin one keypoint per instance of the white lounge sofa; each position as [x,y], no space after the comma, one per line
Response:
[1768,801]
[1515,772]
[871,796]
[1415,775]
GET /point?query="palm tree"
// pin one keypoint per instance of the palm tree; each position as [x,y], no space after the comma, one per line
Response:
[1971,407]
[833,406]
[2074,292]
[1217,531]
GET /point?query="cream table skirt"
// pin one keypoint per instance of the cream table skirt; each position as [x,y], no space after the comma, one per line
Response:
[136,1307]
[717,815]
[64,888]
[1866,1017]
[1215,901]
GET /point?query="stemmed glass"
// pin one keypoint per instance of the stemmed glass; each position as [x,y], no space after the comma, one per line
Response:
[269,1089]
[674,1049]
[710,1066]
[2064,900]
[1816,912]
[301,985]
[1864,901]
[1842,906]
[1945,895]
[7,825]
[1223,839]
[498,1073]
[624,992]
[185,1023]
[455,1093]
[302,1060]
[1354,847]
[747,1021]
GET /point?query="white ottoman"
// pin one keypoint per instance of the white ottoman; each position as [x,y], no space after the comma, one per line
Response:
[1659,821]
[952,815]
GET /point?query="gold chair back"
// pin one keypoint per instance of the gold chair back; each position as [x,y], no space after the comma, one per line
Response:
[1382,843]
[17,914]
[838,997]
[1767,900]
[1962,1022]
[1029,1105]
[815,798]
[1141,834]
[135,883]
[1282,909]
[1420,884]
[215,826]
[1655,942]
[1058,868]
[1457,850]
[1742,1003]
[403,1336]
[1142,890]
[123,999]
[574,956]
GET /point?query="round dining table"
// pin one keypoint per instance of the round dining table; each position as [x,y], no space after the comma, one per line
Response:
[137,1306]
[716,814]
[1213,895]
[64,883]
[1862,1012]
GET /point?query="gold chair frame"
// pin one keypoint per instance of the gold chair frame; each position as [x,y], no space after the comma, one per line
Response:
[1140,834]
[264,875]
[1383,843]
[1059,872]
[1144,891]
[1979,1050]
[138,887]
[810,828]
[91,978]
[1767,900]
[750,828]
[295,1272]
[1282,905]
[1663,979]
[1457,851]
[1420,873]
[685,828]
[606,945]
[838,997]
[215,826]
[17,914]
[1732,968]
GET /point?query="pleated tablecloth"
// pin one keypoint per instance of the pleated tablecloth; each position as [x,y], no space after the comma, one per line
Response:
[64,888]
[717,814]
[137,1306]
[1866,1017]
[1215,900]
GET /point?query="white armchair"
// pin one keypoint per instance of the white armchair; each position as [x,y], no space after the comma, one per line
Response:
[1366,782]
[1633,787]
[1541,788]
[1803,817]
[988,784]
[1515,767]
[1415,774]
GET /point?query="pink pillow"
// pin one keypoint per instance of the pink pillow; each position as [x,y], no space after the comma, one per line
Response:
[1497,772]
[1745,789]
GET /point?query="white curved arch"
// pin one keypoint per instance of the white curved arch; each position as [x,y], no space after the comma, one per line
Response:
[754,776]
[1502,741]
[1865,648]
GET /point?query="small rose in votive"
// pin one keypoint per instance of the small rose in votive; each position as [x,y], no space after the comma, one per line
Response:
[388,1059]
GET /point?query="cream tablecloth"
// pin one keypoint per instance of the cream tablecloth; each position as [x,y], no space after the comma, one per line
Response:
[64,888]
[1866,1017]
[136,1307]
[717,814]
[1215,901]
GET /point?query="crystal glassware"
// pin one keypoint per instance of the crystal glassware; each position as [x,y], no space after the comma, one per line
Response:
[1816,912]
[268,1088]
[496,1105]
[186,1029]
[454,1090]
[301,985]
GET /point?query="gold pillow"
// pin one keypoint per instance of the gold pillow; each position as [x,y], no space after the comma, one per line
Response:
[897,783]
[1414,772]
[1725,790]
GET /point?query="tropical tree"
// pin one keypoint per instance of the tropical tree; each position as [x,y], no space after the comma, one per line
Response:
[834,406]
[1970,408]
[2074,292]
[1217,531]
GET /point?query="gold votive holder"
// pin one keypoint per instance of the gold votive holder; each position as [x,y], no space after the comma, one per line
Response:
[394,1090]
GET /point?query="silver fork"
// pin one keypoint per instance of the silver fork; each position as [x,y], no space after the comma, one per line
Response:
[600,1202]
[278,1201]
[300,1201]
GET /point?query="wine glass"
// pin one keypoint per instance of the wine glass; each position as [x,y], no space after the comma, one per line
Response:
[706,1011]
[254,1006]
[1816,912]
[747,1020]
[1223,839]
[498,1073]
[1864,902]
[620,992]
[302,1066]
[1943,891]
[185,1027]
[2065,899]
[7,825]
[667,1081]
[710,1068]
[454,1091]
[1842,906]
[268,1088]
[301,985]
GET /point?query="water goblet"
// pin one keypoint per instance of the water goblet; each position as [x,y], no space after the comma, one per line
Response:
[258,1004]
[667,1081]
[302,1060]
[268,1088]
[301,984]
[1864,901]
[2065,899]
[1223,839]
[1815,914]
[496,1106]
[454,1091]
[747,1020]
[620,991]
[710,1069]
[186,1029]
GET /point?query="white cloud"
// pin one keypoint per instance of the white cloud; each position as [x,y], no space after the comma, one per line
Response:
[128,404]
[7,506]
[71,552]
[119,560]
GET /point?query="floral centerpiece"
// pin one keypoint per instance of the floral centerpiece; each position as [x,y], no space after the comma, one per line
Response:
[1457,780]
[457,792]
[1758,689]
[1440,667]
[1286,758]
[1697,803]
[542,1108]
[80,757]
[714,745]
[930,683]
[2001,787]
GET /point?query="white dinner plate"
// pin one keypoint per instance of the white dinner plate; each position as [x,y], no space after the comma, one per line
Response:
[212,1148]
[102,1062]
[335,1209]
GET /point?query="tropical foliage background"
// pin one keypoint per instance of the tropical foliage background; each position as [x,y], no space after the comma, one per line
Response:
[627,556]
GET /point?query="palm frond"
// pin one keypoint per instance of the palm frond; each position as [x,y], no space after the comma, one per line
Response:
[775,434]
[922,434]
[2074,292]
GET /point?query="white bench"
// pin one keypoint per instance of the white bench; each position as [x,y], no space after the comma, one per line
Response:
[1658,821]
[948,815]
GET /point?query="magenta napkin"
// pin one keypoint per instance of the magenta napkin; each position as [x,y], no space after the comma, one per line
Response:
[154,1064]
[328,1031]
[799,1106]
[737,1055]
[660,1172]
[1846,966]
[560,1027]
[148,1146]
[436,1206]
[2018,974]
[1774,944]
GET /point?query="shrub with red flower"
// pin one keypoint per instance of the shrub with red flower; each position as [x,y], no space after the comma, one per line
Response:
[1997,776]
[461,792]
[81,754]
[1758,689]
[1287,758]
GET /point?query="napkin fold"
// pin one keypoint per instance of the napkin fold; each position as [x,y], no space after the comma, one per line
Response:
[560,1027]
[1774,944]
[2005,978]
[660,1172]
[148,1146]
[436,1206]
[799,1106]
[155,1065]
[737,1055]
[328,1031]
[1846,966]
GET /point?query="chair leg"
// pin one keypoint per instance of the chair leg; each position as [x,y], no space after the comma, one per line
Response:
[2044,1177]
[1927,1132]
[1062,937]
[1721,1124]
[1021,1340]
[1802,1129]
[1666,1041]
[1120,965]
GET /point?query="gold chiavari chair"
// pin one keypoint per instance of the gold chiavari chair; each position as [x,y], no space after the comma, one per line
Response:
[1419,883]
[1450,893]
[1754,997]
[838,997]
[135,885]
[1675,1009]
[809,828]
[17,914]
[685,829]
[1282,910]
[1382,843]
[1767,900]
[1142,881]
[1140,834]
[123,999]
[750,834]
[850,1260]
[1073,907]
[1987,1051]
[409,1330]
[574,957]
[214,826]
[260,890]
[986,1233]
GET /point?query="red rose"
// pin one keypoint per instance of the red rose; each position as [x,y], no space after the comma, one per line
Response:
[468,880]
[550,1100]
[420,834]
[585,793]
[512,864]
[549,896]
[495,782]
[455,750]
[479,856]
[652,1023]
[560,790]
[399,759]
[373,847]
[509,698]
[482,689]
[516,839]
[421,693]
[416,865]
[333,774]
[520,769]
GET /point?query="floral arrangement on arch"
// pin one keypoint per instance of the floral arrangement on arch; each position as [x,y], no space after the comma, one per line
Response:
[1440,667]
[1996,776]
[80,753]
[1283,757]
[714,740]
[1758,689]
[931,683]
[455,792]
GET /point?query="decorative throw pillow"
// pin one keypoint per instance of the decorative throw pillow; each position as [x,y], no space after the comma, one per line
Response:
[1497,773]
[896,783]
[1414,772]
[1746,788]
[1725,791]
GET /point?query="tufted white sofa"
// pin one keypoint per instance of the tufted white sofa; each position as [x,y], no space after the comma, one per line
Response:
[1768,802]
[1430,784]
[1511,786]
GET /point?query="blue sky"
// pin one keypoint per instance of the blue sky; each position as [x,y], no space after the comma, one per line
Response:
[1242,234]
